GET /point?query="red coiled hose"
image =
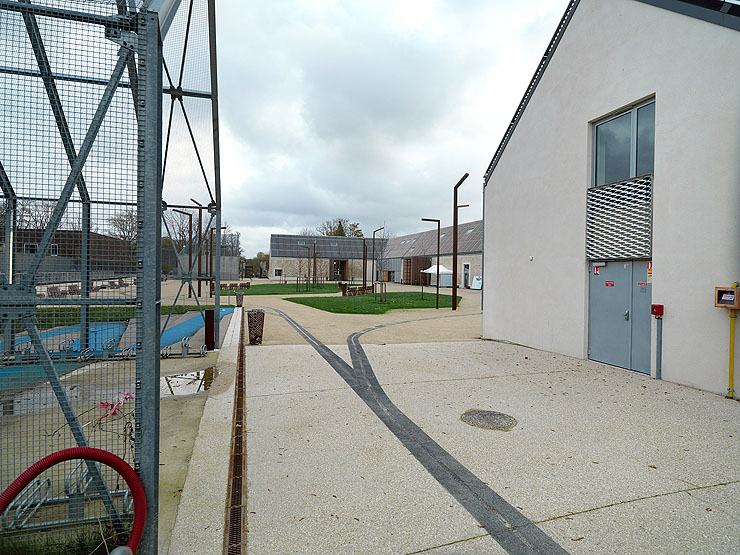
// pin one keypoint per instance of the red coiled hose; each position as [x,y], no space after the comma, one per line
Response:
[90,453]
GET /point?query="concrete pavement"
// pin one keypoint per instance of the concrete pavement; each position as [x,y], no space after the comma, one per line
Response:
[602,460]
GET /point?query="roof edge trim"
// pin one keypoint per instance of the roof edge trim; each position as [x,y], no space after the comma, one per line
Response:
[532,86]
[699,12]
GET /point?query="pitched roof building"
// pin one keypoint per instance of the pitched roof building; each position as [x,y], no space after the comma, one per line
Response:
[398,259]
[616,187]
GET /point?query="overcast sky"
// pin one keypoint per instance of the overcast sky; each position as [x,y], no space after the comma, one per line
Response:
[367,110]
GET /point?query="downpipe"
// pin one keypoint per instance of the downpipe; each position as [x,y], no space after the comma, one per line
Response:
[731,370]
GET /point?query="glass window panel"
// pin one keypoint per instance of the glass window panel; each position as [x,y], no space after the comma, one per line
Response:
[613,150]
[645,138]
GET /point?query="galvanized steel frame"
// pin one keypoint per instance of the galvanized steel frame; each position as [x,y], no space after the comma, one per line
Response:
[176,93]
[19,300]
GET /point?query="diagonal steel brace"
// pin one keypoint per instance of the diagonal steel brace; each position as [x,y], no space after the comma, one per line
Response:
[29,322]
[79,162]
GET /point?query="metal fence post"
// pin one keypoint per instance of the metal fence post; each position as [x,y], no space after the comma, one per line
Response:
[148,268]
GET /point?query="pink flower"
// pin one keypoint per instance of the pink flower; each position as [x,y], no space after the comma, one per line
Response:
[113,407]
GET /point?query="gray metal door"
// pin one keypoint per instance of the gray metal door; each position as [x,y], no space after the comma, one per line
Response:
[619,315]
[609,308]
[640,318]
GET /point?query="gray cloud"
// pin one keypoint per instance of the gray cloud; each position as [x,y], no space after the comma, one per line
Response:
[366,110]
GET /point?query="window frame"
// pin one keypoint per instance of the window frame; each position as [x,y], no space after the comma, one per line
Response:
[276,270]
[632,110]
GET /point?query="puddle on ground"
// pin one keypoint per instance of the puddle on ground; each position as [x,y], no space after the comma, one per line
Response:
[187,384]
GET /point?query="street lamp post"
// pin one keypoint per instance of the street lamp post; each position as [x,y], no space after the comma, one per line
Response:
[364,263]
[315,275]
[212,273]
[200,240]
[438,236]
[454,240]
[190,247]
[308,262]
[372,277]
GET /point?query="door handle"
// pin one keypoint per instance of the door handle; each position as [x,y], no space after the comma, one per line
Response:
[627,314]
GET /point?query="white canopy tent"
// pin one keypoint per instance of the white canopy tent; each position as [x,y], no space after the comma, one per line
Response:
[445,275]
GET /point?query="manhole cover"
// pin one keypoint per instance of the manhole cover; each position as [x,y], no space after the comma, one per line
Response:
[488,419]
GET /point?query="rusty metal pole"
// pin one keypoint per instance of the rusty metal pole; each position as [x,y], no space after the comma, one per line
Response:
[454,241]
[438,238]
[308,261]
[364,263]
[210,271]
[372,277]
[200,241]
[438,241]
[190,244]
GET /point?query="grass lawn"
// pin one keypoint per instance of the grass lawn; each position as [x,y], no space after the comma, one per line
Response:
[365,304]
[283,289]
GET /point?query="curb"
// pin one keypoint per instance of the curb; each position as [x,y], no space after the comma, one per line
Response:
[199,525]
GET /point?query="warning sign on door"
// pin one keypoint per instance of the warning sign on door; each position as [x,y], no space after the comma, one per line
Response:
[596,270]
[650,272]
[609,283]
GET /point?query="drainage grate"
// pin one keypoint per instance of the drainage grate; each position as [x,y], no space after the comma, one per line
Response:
[234,540]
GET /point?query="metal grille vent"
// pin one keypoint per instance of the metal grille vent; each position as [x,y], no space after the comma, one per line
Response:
[619,220]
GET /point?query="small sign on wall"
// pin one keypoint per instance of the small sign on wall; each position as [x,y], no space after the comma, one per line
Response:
[596,270]
[609,283]
[727,297]
[650,272]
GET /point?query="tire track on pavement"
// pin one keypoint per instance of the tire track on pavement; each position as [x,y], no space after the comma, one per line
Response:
[506,525]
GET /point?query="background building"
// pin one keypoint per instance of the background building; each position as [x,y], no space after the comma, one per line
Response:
[405,257]
[337,258]
[398,260]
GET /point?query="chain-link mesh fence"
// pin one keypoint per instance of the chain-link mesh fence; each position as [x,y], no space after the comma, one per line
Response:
[80,90]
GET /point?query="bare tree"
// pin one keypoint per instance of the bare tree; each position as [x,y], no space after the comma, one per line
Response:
[123,226]
[179,227]
[33,214]
[340,227]
[230,242]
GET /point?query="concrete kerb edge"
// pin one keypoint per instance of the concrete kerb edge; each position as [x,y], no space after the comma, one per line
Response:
[199,525]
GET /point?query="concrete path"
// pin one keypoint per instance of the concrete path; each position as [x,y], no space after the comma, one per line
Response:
[601,460]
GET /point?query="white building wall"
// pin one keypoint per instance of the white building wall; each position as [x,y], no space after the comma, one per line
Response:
[613,54]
